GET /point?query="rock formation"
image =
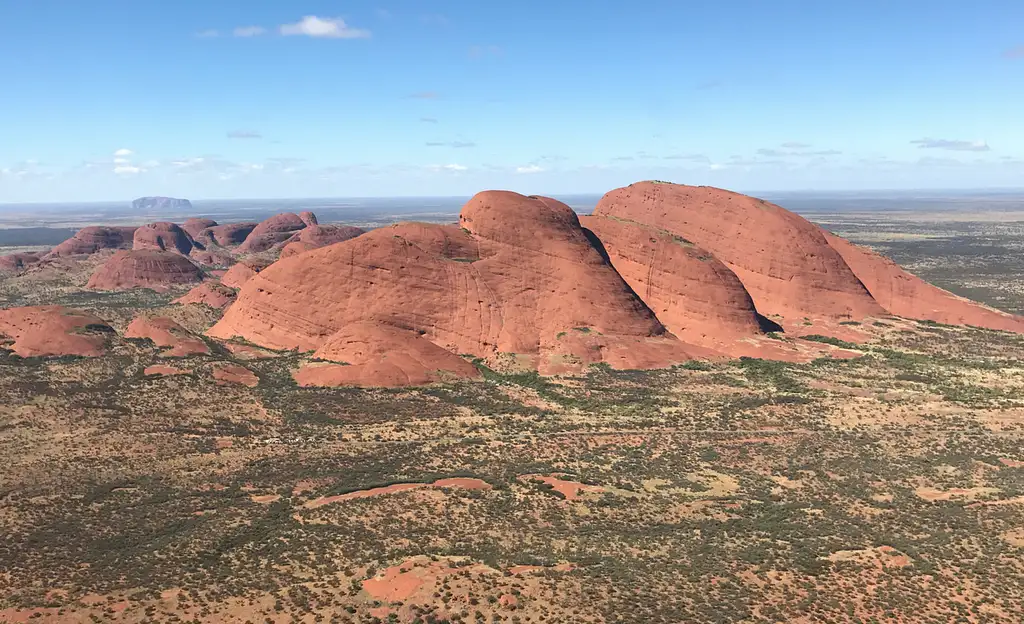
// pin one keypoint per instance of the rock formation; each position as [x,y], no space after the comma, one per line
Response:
[15,262]
[235,374]
[195,225]
[904,294]
[272,231]
[316,236]
[54,330]
[144,269]
[242,272]
[215,295]
[308,218]
[161,204]
[164,332]
[226,235]
[162,236]
[519,276]
[92,239]
[783,260]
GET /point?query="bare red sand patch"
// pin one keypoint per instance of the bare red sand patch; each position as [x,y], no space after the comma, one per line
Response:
[965,494]
[530,569]
[459,483]
[265,499]
[571,490]
[166,371]
[1011,463]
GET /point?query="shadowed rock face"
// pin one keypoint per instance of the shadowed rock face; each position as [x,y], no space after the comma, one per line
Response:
[272,231]
[227,235]
[162,236]
[144,269]
[904,294]
[15,262]
[316,236]
[54,330]
[195,225]
[212,294]
[782,259]
[92,239]
[520,276]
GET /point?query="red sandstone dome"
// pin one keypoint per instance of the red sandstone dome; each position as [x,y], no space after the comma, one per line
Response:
[93,238]
[15,262]
[146,269]
[162,236]
[316,236]
[272,231]
[54,330]
[164,332]
[783,260]
[242,272]
[308,218]
[226,235]
[195,225]
[212,294]
[519,276]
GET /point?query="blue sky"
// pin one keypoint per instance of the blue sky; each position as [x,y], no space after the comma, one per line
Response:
[110,99]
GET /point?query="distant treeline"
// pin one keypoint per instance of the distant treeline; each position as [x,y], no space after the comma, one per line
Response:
[34,236]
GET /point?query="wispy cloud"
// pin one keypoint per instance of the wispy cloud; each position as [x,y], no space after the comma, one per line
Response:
[124,151]
[244,134]
[529,169]
[424,95]
[428,120]
[452,168]
[951,144]
[700,158]
[127,169]
[208,34]
[931,161]
[249,31]
[796,150]
[450,144]
[323,27]
[384,13]
[795,145]
[436,19]
[623,158]
[1014,53]
[480,51]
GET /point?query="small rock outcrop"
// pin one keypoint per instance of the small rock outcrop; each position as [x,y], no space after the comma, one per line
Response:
[54,331]
[271,232]
[148,268]
[164,332]
[242,272]
[227,374]
[212,294]
[91,239]
[195,225]
[316,236]
[162,236]
[162,204]
[16,262]
[226,235]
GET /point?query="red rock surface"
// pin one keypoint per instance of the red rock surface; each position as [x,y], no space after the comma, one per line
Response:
[162,236]
[226,235]
[144,269]
[782,259]
[214,257]
[54,330]
[316,236]
[235,374]
[272,231]
[520,276]
[164,371]
[212,294]
[907,295]
[166,333]
[242,272]
[195,225]
[93,238]
[382,355]
[308,218]
[15,262]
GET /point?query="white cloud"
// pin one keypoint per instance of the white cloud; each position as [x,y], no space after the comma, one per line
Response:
[207,34]
[453,167]
[952,145]
[127,170]
[529,169]
[325,27]
[118,160]
[124,151]
[249,31]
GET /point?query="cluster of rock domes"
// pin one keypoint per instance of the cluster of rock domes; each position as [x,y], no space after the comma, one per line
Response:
[659,274]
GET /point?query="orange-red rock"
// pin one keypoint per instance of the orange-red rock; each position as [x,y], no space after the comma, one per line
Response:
[144,269]
[308,218]
[213,257]
[162,236]
[54,330]
[782,259]
[382,355]
[905,294]
[316,236]
[242,272]
[226,235]
[164,371]
[212,294]
[15,262]
[235,374]
[195,225]
[272,231]
[93,238]
[519,276]
[166,333]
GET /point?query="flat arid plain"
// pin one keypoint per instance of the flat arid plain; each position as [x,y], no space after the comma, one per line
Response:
[868,468]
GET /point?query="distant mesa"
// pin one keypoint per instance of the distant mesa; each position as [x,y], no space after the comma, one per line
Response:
[195,225]
[91,239]
[164,332]
[274,230]
[242,272]
[316,236]
[16,262]
[162,236]
[54,331]
[148,268]
[162,204]
[212,294]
